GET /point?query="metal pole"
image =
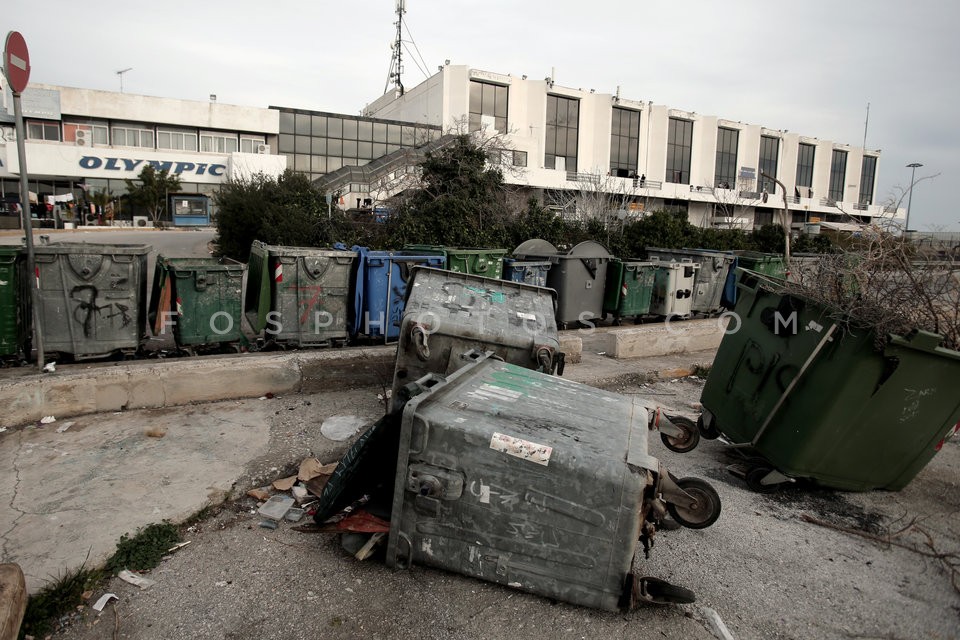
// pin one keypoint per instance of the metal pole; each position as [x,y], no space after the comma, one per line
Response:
[28,229]
[913,166]
[786,221]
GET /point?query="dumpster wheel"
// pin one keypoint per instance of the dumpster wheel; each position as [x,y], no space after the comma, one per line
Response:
[704,512]
[686,442]
[708,433]
[757,470]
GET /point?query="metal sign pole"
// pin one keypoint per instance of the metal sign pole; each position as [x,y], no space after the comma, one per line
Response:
[28,229]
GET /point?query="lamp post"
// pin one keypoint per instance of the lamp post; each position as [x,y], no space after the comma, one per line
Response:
[913,167]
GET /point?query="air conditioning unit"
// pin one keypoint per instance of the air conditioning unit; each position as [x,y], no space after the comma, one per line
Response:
[84,137]
[263,148]
[142,222]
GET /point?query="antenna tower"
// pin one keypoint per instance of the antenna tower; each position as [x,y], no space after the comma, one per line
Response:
[396,62]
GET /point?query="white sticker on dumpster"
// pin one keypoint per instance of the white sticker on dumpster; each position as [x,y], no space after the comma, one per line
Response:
[523,449]
[527,316]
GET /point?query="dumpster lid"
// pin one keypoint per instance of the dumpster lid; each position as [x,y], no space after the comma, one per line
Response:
[60,248]
[589,249]
[535,247]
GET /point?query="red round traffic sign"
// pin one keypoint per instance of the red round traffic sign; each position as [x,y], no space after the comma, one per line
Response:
[16,62]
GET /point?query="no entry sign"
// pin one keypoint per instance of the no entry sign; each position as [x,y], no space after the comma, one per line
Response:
[16,62]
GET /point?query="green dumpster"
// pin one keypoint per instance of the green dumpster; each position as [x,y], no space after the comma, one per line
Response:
[478,262]
[769,264]
[298,296]
[629,288]
[15,321]
[199,299]
[808,396]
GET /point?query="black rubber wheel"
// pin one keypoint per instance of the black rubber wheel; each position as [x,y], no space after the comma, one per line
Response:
[707,433]
[669,593]
[755,473]
[688,441]
[705,512]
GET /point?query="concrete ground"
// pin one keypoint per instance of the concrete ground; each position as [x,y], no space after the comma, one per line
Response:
[769,574]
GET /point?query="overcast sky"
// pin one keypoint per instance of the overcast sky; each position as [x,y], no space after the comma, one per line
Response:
[811,68]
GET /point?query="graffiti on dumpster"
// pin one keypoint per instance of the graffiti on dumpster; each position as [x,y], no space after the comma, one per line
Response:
[911,406]
[87,312]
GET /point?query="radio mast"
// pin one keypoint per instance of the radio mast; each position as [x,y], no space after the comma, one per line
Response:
[396,62]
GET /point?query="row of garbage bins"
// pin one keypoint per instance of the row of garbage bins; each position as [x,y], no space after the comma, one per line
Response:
[93,298]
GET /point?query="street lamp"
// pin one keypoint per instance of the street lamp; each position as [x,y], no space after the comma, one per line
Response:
[913,166]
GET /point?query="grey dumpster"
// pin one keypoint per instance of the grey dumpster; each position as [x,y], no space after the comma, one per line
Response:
[447,313]
[711,277]
[532,482]
[93,298]
[578,276]
[298,296]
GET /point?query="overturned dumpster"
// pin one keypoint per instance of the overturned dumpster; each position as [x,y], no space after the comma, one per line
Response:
[448,313]
[806,393]
[521,478]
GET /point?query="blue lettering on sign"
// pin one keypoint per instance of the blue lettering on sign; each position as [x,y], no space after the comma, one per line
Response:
[132,165]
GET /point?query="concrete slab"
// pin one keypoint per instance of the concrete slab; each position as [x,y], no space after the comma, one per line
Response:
[652,340]
[66,498]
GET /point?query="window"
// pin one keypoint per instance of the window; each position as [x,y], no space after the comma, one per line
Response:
[725,173]
[679,144]
[868,173]
[563,117]
[132,137]
[37,130]
[805,165]
[96,133]
[250,145]
[488,106]
[180,140]
[838,174]
[218,143]
[769,150]
[624,141]
[519,158]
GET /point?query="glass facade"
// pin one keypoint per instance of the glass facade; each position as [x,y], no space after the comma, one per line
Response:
[562,134]
[838,174]
[805,158]
[488,105]
[679,145]
[624,142]
[179,140]
[725,174]
[767,163]
[316,143]
[868,174]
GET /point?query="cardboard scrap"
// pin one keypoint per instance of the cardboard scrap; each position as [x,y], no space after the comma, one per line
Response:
[155,432]
[285,484]
[311,468]
[259,494]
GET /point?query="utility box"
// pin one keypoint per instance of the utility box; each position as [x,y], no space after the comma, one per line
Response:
[93,298]
[448,313]
[298,296]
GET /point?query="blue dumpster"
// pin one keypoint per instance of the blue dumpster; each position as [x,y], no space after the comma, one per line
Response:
[381,288]
[526,271]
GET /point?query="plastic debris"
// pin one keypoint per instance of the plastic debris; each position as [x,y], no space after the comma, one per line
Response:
[50,367]
[221,583]
[299,493]
[104,599]
[178,546]
[276,507]
[134,579]
[47,420]
[338,428]
[65,426]
[294,514]
[268,524]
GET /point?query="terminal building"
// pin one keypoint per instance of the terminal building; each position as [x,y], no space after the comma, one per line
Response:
[564,145]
